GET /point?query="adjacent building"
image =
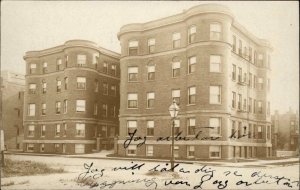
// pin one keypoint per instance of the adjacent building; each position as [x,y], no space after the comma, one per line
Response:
[12,87]
[215,69]
[285,131]
[71,99]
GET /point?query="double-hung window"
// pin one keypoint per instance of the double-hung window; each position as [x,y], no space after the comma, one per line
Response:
[131,126]
[32,88]
[215,31]
[151,45]
[57,107]
[176,40]
[150,99]
[32,68]
[192,95]
[133,74]
[176,96]
[151,72]
[80,129]
[133,47]
[150,128]
[31,109]
[215,94]
[191,126]
[81,83]
[132,100]
[215,124]
[215,63]
[81,60]
[192,64]
[80,105]
[175,69]
[192,34]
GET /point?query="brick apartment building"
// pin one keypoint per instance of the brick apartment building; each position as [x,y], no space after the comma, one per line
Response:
[12,87]
[215,69]
[72,98]
[285,131]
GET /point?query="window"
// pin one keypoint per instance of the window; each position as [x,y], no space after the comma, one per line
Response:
[80,105]
[81,60]
[260,83]
[43,130]
[104,131]
[215,31]
[191,126]
[240,102]
[45,65]
[215,151]
[254,106]
[259,106]
[32,69]
[133,48]
[192,95]
[175,69]
[215,63]
[176,126]
[176,151]
[104,110]
[233,72]
[105,88]
[65,130]
[176,40]
[31,109]
[240,47]
[250,105]
[233,100]
[32,88]
[56,147]
[233,130]
[131,126]
[149,150]
[192,65]
[65,106]
[215,122]
[240,75]
[245,104]
[215,95]
[79,148]
[259,132]
[268,84]
[96,83]
[57,107]
[66,60]
[250,131]
[58,64]
[150,99]
[113,111]
[58,86]
[105,67]
[150,128]
[268,108]
[254,81]
[176,96]
[250,80]
[113,89]
[233,43]
[95,58]
[42,147]
[268,132]
[131,150]
[114,69]
[191,152]
[192,34]
[151,72]
[43,109]
[80,129]
[57,130]
[260,60]
[250,54]
[30,147]
[151,45]
[132,100]
[31,131]
[245,78]
[44,87]
[240,129]
[66,83]
[132,74]
[81,83]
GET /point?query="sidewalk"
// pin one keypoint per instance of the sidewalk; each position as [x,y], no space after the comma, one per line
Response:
[226,163]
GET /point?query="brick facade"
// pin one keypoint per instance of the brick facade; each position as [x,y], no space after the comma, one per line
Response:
[211,38]
[86,72]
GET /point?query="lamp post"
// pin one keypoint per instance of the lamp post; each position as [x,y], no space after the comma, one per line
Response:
[173,109]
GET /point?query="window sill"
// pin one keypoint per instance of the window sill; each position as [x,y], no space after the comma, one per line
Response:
[132,108]
[190,104]
[133,81]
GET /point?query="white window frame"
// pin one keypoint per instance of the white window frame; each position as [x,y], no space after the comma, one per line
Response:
[212,96]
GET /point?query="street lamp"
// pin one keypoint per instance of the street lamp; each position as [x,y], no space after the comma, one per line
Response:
[173,109]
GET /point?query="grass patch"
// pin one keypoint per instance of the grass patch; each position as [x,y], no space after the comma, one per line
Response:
[23,168]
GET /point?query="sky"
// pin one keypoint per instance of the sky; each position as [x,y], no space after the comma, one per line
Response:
[29,25]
